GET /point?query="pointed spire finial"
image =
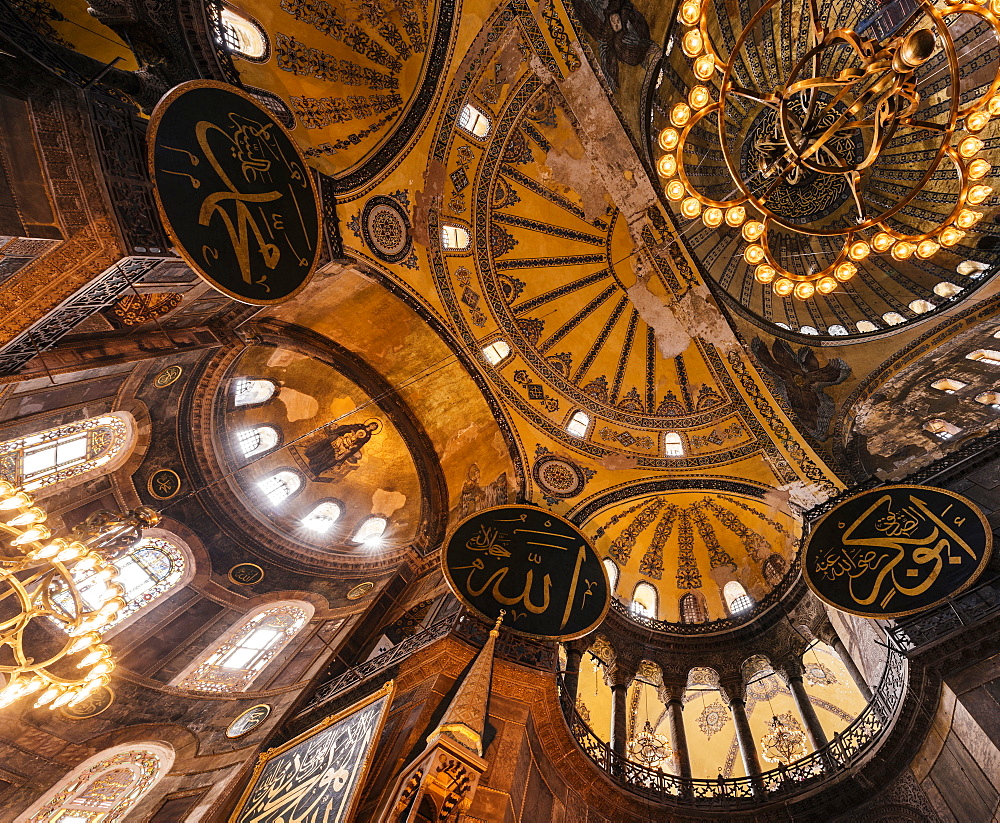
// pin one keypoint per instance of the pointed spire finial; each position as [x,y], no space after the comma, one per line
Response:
[495,631]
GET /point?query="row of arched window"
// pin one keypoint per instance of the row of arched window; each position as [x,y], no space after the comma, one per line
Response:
[645,600]
[945,430]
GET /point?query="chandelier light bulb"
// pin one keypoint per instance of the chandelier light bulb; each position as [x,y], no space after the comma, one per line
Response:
[31,535]
[883,241]
[993,106]
[927,248]
[977,194]
[977,121]
[699,97]
[805,290]
[704,67]
[668,139]
[690,12]
[712,217]
[32,515]
[15,501]
[845,271]
[969,147]
[50,694]
[675,190]
[764,273]
[979,168]
[859,250]
[950,236]
[827,285]
[691,208]
[967,219]
[753,254]
[903,250]
[752,230]
[692,43]
[680,114]
[783,287]
[65,698]
[666,166]
[735,215]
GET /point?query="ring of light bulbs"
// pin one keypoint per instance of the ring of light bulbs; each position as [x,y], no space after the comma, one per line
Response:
[749,214]
[33,566]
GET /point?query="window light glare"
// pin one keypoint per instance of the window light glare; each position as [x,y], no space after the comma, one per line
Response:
[988,356]
[473,121]
[578,424]
[673,446]
[948,385]
[371,531]
[322,517]
[496,353]
[454,237]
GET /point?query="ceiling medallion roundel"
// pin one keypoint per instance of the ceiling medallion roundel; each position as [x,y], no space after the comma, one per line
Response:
[558,477]
[386,229]
[360,590]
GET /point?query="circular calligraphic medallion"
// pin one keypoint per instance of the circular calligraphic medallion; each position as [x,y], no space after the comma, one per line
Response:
[92,705]
[386,228]
[360,590]
[249,720]
[246,574]
[234,192]
[164,484]
[896,550]
[167,377]
[558,477]
[533,564]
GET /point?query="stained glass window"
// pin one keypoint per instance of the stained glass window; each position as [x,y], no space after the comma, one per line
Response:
[257,440]
[63,452]
[104,789]
[146,571]
[248,391]
[247,649]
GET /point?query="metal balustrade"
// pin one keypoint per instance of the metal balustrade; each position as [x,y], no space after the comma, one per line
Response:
[916,633]
[847,747]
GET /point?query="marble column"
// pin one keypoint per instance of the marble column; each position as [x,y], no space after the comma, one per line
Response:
[678,738]
[571,677]
[744,737]
[814,729]
[852,667]
[618,679]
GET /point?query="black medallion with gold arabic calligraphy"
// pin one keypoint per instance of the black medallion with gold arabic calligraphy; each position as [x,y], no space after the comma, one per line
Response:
[234,192]
[531,563]
[896,550]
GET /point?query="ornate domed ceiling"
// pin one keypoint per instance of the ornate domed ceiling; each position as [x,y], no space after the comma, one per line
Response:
[698,542]
[341,447]
[908,162]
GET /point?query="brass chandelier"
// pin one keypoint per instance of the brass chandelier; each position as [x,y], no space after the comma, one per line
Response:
[784,742]
[649,748]
[822,135]
[58,597]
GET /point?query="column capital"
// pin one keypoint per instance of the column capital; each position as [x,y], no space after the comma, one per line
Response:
[670,692]
[619,674]
[789,668]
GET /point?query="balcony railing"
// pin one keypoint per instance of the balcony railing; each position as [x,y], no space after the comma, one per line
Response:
[835,758]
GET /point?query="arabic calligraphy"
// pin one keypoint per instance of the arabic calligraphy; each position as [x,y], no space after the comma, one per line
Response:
[248,720]
[317,775]
[234,192]
[896,550]
[536,565]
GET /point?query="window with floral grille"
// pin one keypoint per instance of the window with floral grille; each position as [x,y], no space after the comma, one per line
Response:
[280,486]
[146,571]
[64,452]
[257,440]
[232,665]
[248,391]
[105,790]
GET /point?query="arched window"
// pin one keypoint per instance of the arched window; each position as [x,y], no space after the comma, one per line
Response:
[866,326]
[370,532]
[231,664]
[257,440]
[612,569]
[948,385]
[323,516]
[673,446]
[808,330]
[280,486]
[147,571]
[578,424]
[67,451]
[454,237]
[773,568]
[737,599]
[989,398]
[474,121]
[941,429]
[104,788]
[971,268]
[946,290]
[248,391]
[644,599]
[893,318]
[921,306]
[496,353]
[243,37]
[837,330]
[692,609]
[988,356]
